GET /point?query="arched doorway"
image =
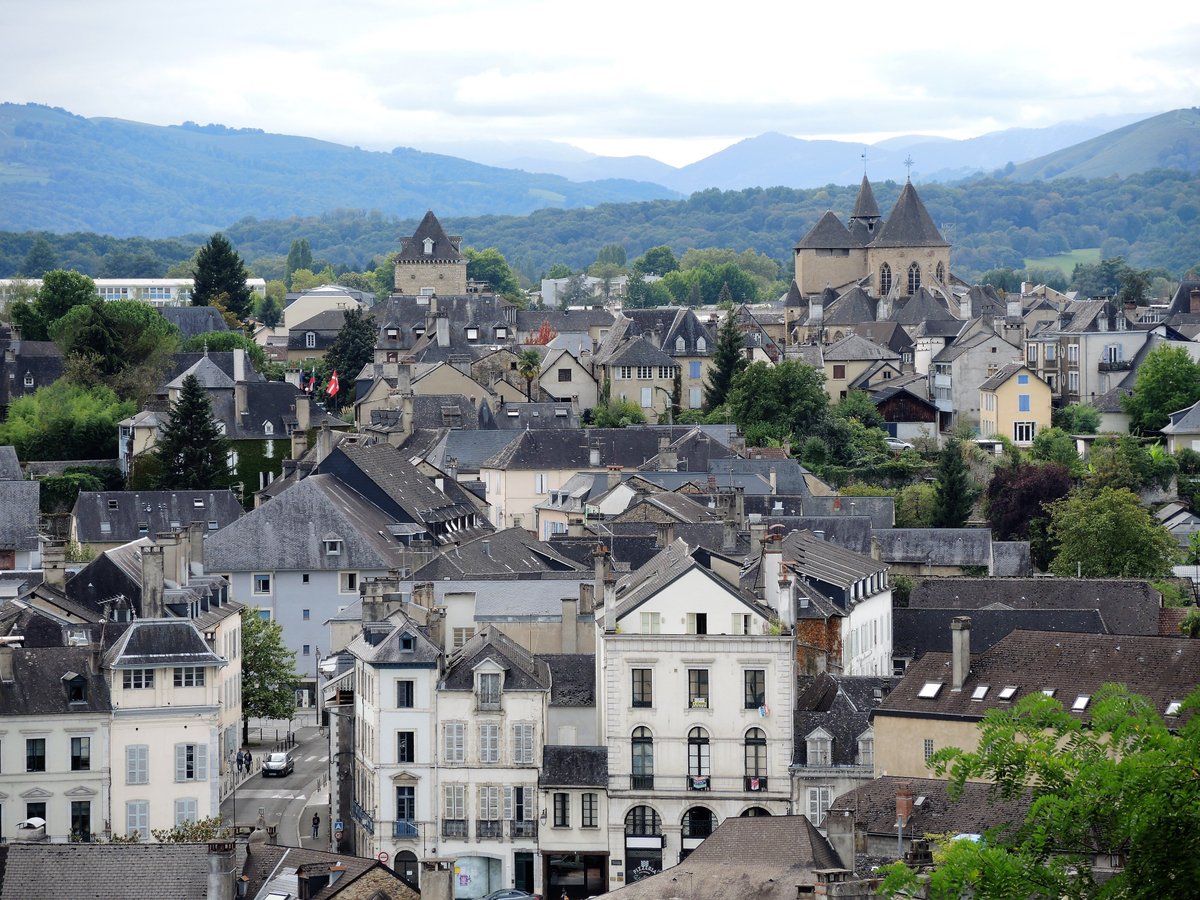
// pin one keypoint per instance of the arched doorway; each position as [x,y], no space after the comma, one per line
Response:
[698,823]
[755,811]
[406,867]
[643,843]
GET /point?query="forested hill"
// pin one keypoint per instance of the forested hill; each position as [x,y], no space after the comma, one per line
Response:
[1150,219]
[62,172]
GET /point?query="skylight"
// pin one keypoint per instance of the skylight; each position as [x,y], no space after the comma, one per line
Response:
[1008,692]
[1081,702]
[930,690]
[1173,707]
[1049,692]
[980,692]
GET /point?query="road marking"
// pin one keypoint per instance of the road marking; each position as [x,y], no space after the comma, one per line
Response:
[272,795]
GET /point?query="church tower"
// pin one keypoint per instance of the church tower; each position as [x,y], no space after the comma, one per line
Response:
[908,251]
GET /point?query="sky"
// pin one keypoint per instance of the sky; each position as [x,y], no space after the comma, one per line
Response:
[673,80]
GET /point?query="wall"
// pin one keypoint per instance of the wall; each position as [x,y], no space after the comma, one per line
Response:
[814,273]
[900,742]
[444,278]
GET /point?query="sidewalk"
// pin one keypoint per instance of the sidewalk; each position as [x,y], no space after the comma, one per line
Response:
[267,729]
[317,803]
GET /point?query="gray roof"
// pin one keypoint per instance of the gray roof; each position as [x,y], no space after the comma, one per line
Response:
[865,206]
[639,352]
[471,448]
[922,308]
[40,678]
[10,466]
[287,532]
[205,371]
[854,307]
[881,510]
[1005,372]
[629,447]
[856,347]
[839,704]
[155,643]
[522,670]
[824,561]
[125,512]
[574,766]
[19,515]
[513,551]
[1128,606]
[563,321]
[194,320]
[1184,421]
[939,546]
[572,678]
[384,644]
[1012,559]
[828,234]
[909,224]
[919,631]
[520,416]
[526,599]
[445,247]
[978,809]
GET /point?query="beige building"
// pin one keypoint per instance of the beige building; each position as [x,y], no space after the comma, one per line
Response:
[852,358]
[431,261]
[1014,403]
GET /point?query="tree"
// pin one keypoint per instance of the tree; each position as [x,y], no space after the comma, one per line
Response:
[491,267]
[1017,500]
[774,402]
[60,292]
[268,671]
[1122,461]
[608,273]
[728,360]
[66,421]
[40,259]
[617,413]
[558,270]
[269,311]
[1167,381]
[224,341]
[197,832]
[1055,445]
[656,261]
[192,450]
[220,273]
[545,334]
[529,366]
[1134,287]
[1108,534]
[612,253]
[1077,418]
[915,505]
[955,494]
[299,257]
[353,348]
[858,405]
[1120,784]
[575,292]
[126,344]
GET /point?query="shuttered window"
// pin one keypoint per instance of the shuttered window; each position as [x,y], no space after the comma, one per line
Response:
[137,764]
[454,742]
[191,762]
[137,818]
[522,744]
[489,743]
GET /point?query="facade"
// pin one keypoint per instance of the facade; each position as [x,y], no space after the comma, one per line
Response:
[1014,403]
[431,261]
[959,370]
[157,291]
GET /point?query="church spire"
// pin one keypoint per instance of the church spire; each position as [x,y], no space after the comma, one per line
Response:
[865,207]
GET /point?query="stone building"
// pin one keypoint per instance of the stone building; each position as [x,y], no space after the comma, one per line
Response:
[431,261]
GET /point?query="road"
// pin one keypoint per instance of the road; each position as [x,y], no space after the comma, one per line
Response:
[290,801]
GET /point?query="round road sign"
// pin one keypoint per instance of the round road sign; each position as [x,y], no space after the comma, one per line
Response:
[383,856]
[337,835]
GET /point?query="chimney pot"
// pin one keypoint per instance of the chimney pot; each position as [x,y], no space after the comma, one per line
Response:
[960,651]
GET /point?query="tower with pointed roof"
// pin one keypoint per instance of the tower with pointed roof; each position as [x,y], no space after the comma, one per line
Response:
[896,256]
[431,261]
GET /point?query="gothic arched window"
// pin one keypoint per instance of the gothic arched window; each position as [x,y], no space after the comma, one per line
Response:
[885,280]
[914,278]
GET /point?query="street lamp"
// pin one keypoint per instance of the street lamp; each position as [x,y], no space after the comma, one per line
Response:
[317,688]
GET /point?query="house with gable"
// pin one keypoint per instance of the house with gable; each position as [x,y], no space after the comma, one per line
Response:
[679,333]
[1014,403]
[20,515]
[855,363]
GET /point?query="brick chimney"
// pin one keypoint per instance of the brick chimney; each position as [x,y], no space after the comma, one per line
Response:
[614,476]
[904,802]
[960,651]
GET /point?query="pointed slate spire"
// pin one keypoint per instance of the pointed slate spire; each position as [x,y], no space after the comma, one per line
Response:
[865,206]
[909,224]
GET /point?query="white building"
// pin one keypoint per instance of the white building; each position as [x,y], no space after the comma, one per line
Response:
[156,291]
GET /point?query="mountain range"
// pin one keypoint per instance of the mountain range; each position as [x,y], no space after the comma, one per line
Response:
[62,172]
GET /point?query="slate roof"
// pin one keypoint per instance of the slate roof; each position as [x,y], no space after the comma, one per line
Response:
[919,631]
[272,868]
[445,247]
[880,510]
[513,551]
[39,685]
[572,678]
[205,371]
[1128,606]
[956,349]
[141,871]
[1184,421]
[159,510]
[471,448]
[564,321]
[1162,669]
[980,807]
[559,449]
[825,561]
[839,704]
[41,361]
[574,766]
[155,643]
[793,297]
[923,307]
[194,320]
[865,206]
[639,352]
[749,857]
[664,325]
[939,546]
[522,670]
[1005,372]
[886,334]
[1012,559]
[19,515]
[512,598]
[380,643]
[670,563]
[828,234]
[10,465]
[856,347]
[909,224]
[287,533]
[679,507]
[520,416]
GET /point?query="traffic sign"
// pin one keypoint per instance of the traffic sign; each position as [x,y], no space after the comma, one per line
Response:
[337,835]
[338,826]
[383,856]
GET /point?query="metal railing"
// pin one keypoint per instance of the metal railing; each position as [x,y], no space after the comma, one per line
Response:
[404,828]
[489,829]
[454,828]
[522,828]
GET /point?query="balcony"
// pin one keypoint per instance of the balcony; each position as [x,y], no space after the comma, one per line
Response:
[522,829]
[699,703]
[489,829]
[641,782]
[698,782]
[404,828]
[362,817]
[680,785]
[1116,365]
[454,828]
[755,783]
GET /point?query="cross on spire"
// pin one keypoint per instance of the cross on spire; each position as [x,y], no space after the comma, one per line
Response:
[864,159]
[908,164]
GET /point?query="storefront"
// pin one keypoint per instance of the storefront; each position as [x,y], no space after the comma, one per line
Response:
[579,875]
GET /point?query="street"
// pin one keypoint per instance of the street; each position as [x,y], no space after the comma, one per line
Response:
[288,801]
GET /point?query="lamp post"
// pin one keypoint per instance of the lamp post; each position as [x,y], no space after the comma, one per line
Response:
[317,689]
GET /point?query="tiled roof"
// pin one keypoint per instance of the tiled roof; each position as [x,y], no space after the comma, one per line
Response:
[445,248]
[978,809]
[853,307]
[840,705]
[124,511]
[919,631]
[856,347]
[572,678]
[154,643]
[828,234]
[39,685]
[865,206]
[922,307]
[19,515]
[513,551]
[194,320]
[522,670]
[381,643]
[936,546]
[10,465]
[574,766]
[1005,372]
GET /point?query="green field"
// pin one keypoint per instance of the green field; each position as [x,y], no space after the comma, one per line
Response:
[1065,262]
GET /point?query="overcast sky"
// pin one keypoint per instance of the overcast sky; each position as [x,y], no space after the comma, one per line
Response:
[673,80]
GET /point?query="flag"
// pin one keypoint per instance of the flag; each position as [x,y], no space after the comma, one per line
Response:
[333,384]
[311,384]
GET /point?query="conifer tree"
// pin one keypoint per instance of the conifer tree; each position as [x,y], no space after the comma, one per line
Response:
[192,451]
[220,274]
[728,360]
[353,347]
[955,493]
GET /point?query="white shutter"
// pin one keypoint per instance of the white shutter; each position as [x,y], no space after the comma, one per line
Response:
[201,762]
[508,802]
[137,764]
[527,802]
[181,762]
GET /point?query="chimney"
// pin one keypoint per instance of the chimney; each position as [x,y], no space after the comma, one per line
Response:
[729,536]
[1194,301]
[904,803]
[423,595]
[614,476]
[324,444]
[668,459]
[152,582]
[816,310]
[570,615]
[486,546]
[610,603]
[664,533]
[594,457]
[960,651]
[839,829]
[221,870]
[600,570]
[739,506]
[174,556]
[442,324]
[587,598]
[195,539]
[437,627]
[240,406]
[774,479]
[54,564]
[303,412]
[575,527]
[1013,307]
[452,468]
[404,379]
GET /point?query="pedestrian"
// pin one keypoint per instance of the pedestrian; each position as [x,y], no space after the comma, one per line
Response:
[316,824]
[241,759]
[249,762]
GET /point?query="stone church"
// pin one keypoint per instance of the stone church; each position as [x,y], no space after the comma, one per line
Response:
[887,258]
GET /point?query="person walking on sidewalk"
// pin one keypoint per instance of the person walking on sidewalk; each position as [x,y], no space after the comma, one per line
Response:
[316,823]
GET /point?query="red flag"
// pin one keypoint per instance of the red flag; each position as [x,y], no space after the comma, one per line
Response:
[333,385]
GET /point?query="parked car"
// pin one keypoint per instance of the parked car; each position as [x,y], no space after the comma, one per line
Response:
[278,763]
[898,445]
[508,894]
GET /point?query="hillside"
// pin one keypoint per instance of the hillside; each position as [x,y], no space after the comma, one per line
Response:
[62,172]
[1167,141]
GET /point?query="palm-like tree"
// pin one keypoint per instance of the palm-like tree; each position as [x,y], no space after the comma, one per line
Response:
[529,366]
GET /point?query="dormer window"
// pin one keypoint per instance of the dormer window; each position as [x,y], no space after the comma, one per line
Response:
[28,379]
[407,642]
[489,690]
[268,428]
[501,332]
[310,339]
[472,334]
[220,427]
[680,344]
[106,527]
[701,345]
[76,688]
[428,248]
[820,748]
[1008,692]
[333,548]
[418,330]
[393,334]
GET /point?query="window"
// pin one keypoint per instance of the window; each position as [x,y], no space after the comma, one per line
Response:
[929,690]
[643,688]
[642,821]
[262,584]
[404,694]
[694,369]
[756,754]
[186,810]
[701,345]
[1031,354]
[489,743]
[928,748]
[472,334]
[454,742]
[740,623]
[333,547]
[191,762]
[645,373]
[625,372]
[189,676]
[647,397]
[562,810]
[1049,692]
[137,818]
[1080,703]
[522,744]
[1072,353]
[489,690]
[666,371]
[1022,402]
[406,746]
[1008,692]
[460,636]
[35,754]
[541,483]
[1173,708]
[564,375]
[81,754]
[818,804]
[501,332]
[756,688]
[106,527]
[651,623]
[348,582]
[839,371]
[680,344]
[698,822]
[694,398]
[866,750]
[941,272]
[310,340]
[306,650]
[591,810]
[914,278]
[698,688]
[304,578]
[1022,379]
[820,749]
[406,803]
[306,614]
[1073,382]
[137,764]
[454,801]
[77,690]
[697,623]
[81,819]
[698,759]
[1023,432]
[642,745]
[980,692]
[885,279]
